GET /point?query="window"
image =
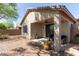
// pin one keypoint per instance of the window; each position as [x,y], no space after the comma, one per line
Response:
[25,28]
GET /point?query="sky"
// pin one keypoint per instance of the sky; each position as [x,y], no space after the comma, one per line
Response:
[22,7]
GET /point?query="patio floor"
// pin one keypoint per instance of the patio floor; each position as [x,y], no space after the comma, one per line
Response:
[73,49]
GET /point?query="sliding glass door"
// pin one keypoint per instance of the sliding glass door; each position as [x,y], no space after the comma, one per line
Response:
[49,30]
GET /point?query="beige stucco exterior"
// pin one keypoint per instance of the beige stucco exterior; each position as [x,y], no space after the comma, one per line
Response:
[74,30]
[35,24]
[66,29]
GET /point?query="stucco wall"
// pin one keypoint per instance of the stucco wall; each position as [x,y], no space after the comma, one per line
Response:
[24,33]
[74,31]
[40,16]
[44,15]
[30,18]
[37,30]
[65,29]
[77,27]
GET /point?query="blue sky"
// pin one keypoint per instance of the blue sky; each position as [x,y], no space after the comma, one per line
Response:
[22,7]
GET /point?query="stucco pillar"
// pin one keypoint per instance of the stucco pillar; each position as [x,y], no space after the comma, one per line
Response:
[69,29]
[29,30]
[57,32]
[44,30]
[22,30]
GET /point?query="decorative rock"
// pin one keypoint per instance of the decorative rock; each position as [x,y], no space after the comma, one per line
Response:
[19,49]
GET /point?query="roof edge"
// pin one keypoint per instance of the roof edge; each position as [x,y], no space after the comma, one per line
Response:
[59,8]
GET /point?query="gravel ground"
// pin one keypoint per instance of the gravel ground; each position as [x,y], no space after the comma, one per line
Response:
[7,46]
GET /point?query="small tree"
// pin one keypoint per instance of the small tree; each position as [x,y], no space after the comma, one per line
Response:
[8,10]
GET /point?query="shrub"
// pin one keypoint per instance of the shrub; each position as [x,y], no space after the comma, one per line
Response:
[2,26]
[6,25]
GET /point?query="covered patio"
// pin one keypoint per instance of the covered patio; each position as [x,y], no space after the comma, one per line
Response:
[56,26]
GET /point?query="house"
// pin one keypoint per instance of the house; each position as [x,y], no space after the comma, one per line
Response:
[41,22]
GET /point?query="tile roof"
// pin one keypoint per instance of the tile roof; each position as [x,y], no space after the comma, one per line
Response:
[61,8]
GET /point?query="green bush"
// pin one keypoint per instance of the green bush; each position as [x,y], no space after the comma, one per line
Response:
[6,25]
[2,26]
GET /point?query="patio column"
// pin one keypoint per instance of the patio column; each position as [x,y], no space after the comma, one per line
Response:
[44,31]
[29,30]
[57,32]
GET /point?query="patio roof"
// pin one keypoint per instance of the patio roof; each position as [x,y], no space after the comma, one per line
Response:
[60,8]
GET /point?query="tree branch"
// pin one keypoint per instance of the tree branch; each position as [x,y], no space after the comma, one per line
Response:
[2,17]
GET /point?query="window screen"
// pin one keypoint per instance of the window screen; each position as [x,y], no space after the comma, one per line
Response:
[25,28]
